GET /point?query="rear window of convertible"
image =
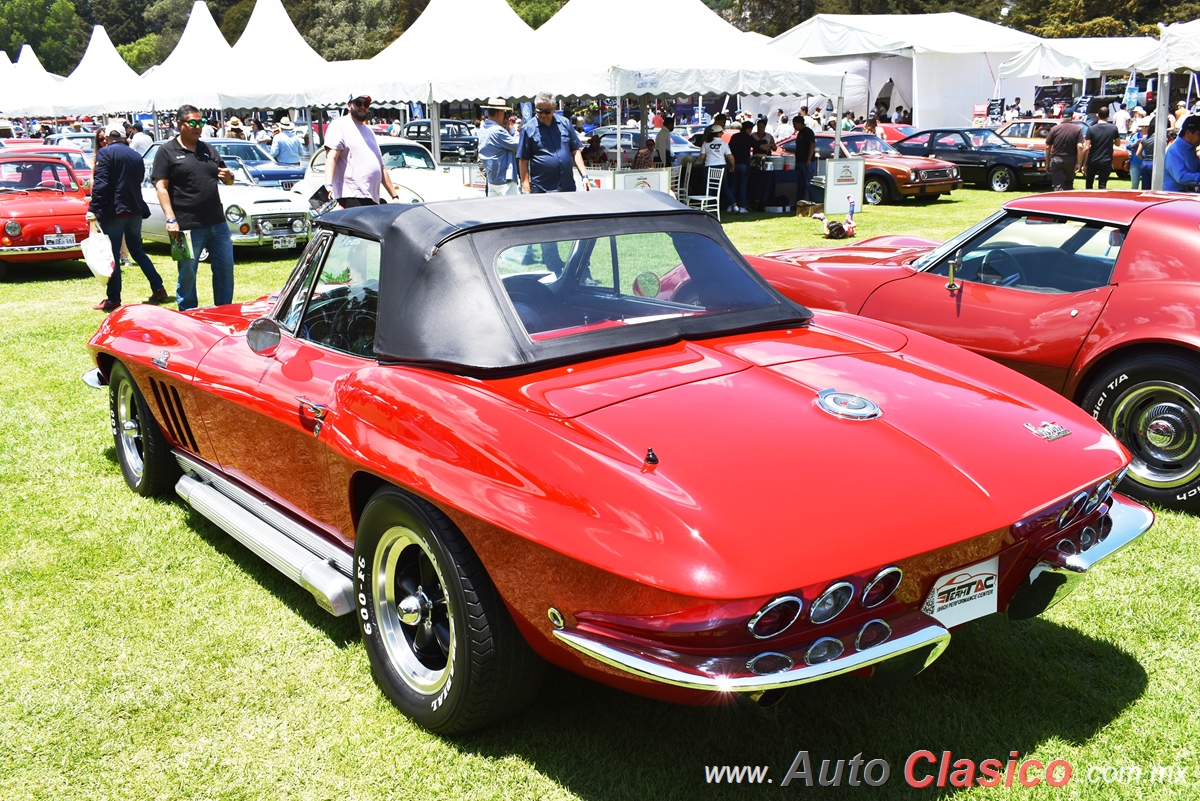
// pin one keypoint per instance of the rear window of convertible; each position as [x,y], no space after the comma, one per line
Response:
[574,286]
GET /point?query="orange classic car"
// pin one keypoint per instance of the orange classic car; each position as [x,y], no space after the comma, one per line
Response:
[1032,133]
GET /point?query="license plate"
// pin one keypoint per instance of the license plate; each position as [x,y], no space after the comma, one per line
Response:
[964,594]
[281,242]
[58,240]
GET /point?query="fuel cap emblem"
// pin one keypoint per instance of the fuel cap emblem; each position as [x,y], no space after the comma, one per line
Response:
[847,405]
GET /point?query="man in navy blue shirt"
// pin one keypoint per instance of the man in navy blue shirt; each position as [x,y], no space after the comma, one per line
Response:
[549,148]
[118,207]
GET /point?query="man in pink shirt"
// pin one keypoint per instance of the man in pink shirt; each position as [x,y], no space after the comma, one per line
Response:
[353,161]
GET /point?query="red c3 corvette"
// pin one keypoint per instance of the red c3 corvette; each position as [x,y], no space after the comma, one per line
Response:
[494,434]
[1093,294]
[43,209]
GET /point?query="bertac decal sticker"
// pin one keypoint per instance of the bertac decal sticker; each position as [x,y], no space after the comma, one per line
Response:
[1048,431]
[965,594]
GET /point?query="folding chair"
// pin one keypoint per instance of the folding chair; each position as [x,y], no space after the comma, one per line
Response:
[680,176]
[711,201]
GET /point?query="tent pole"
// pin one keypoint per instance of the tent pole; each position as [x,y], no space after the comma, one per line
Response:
[1162,101]
[435,128]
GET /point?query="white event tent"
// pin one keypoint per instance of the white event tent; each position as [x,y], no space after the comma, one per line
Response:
[1080,57]
[944,63]
[186,76]
[28,85]
[102,81]
[271,65]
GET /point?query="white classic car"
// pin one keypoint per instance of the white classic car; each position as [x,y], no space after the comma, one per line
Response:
[256,215]
[414,173]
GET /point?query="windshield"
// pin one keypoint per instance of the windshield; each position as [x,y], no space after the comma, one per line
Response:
[935,255]
[573,287]
[406,157]
[867,146]
[982,137]
[35,175]
[244,151]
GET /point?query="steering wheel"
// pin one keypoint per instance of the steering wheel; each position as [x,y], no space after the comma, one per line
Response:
[52,185]
[1003,264]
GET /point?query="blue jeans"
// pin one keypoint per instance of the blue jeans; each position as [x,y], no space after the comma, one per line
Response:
[1147,176]
[741,179]
[1135,172]
[128,229]
[220,253]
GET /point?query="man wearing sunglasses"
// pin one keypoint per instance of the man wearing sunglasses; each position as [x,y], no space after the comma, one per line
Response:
[548,150]
[354,163]
[185,175]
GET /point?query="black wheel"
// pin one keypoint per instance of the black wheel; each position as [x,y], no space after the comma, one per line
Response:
[1152,405]
[1002,179]
[875,191]
[441,643]
[144,453]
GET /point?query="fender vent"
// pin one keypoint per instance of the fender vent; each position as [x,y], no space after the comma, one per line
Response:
[170,408]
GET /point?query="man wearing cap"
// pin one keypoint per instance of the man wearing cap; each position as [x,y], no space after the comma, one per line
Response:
[1182,172]
[498,149]
[285,146]
[117,206]
[354,163]
[185,174]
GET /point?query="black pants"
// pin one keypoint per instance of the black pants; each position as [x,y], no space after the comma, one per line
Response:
[1098,170]
[1062,175]
[351,202]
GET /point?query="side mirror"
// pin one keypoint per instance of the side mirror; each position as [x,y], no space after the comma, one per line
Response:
[955,266]
[263,336]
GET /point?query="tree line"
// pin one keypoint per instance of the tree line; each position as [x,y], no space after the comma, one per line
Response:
[145,31]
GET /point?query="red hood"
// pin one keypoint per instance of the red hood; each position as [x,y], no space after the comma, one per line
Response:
[22,206]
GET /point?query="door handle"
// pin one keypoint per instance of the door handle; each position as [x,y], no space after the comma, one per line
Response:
[315,411]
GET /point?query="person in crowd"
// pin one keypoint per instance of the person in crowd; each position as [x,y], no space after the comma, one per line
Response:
[1121,118]
[1145,152]
[285,146]
[716,154]
[806,148]
[548,149]
[498,149]
[140,141]
[741,147]
[898,117]
[258,133]
[657,120]
[848,121]
[1098,149]
[764,142]
[185,174]
[644,158]
[783,129]
[1064,150]
[832,229]
[871,126]
[208,130]
[118,208]
[1182,166]
[578,126]
[354,162]
[1135,161]
[234,129]
[594,155]
[1016,107]
[662,143]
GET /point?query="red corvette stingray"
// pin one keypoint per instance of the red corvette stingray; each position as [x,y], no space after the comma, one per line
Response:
[490,431]
[1093,294]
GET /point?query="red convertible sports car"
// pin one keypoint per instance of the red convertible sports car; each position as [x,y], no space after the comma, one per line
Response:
[493,433]
[43,208]
[1092,294]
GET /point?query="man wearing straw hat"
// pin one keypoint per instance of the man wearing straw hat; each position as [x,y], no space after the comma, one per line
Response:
[498,149]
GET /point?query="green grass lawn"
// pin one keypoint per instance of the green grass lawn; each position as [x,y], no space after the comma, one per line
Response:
[146,655]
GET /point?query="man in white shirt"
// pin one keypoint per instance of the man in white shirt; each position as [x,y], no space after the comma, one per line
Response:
[784,129]
[141,140]
[354,164]
[1120,119]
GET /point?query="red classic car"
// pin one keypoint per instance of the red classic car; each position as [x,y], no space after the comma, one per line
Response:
[73,156]
[493,433]
[1091,294]
[887,175]
[43,208]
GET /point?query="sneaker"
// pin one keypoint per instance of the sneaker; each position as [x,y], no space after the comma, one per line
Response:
[159,296]
[106,306]
[741,210]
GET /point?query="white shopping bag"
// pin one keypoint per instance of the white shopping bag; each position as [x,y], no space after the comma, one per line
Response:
[97,252]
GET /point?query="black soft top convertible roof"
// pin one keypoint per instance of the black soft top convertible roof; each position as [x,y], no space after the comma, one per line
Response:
[442,304]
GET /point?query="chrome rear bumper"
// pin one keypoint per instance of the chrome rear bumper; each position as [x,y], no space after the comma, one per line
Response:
[911,631]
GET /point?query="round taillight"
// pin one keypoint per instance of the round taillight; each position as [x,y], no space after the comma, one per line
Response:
[882,586]
[825,649]
[775,617]
[831,603]
[1072,510]
[873,632]
[768,663]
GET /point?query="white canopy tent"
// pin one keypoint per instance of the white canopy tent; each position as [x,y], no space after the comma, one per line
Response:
[945,63]
[102,82]
[29,87]
[1179,49]
[271,65]
[186,75]
[1080,57]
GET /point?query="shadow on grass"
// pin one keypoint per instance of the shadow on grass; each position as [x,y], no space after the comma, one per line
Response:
[32,272]
[1002,686]
[341,631]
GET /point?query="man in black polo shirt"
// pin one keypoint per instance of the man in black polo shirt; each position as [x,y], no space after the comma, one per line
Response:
[185,174]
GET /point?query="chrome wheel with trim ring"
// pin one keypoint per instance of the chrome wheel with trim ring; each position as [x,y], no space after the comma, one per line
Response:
[875,191]
[142,449]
